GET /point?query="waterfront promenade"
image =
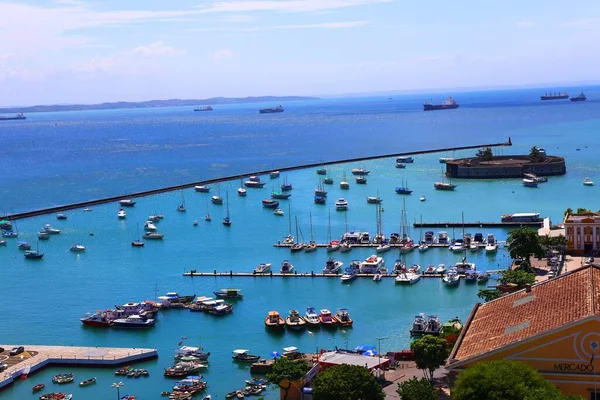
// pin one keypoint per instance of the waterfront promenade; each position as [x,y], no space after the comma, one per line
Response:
[36,357]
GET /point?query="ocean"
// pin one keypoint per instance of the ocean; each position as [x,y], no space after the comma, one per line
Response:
[60,158]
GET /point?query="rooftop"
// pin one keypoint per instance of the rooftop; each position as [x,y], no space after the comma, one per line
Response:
[513,318]
[335,358]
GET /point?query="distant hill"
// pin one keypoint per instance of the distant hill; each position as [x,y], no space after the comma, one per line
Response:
[152,104]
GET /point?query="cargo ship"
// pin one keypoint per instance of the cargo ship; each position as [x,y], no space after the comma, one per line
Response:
[18,116]
[555,96]
[277,109]
[207,108]
[448,104]
[581,97]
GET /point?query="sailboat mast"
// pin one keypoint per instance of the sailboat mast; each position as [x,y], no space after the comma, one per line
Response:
[311,229]
[329,228]
[290,221]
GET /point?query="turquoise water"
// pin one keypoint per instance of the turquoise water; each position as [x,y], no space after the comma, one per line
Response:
[45,299]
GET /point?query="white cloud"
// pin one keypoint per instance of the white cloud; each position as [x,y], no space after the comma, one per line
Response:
[158,49]
[97,65]
[324,25]
[582,23]
[237,18]
[283,5]
[221,55]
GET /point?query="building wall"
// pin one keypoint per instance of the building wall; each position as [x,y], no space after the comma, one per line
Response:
[583,236]
[521,165]
[569,357]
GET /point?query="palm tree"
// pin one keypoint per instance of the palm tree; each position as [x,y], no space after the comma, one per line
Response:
[487,154]
[534,154]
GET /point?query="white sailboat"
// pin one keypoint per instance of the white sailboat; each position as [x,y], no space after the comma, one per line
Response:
[181,207]
[311,246]
[423,247]
[332,245]
[241,191]
[227,220]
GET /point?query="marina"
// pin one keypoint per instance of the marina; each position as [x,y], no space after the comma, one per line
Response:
[112,271]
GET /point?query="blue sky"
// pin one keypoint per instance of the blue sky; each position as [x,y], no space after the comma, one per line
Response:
[68,51]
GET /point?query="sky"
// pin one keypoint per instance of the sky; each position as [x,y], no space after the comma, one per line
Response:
[76,51]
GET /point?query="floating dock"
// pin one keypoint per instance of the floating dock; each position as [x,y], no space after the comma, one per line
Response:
[477,224]
[368,245]
[37,357]
[194,273]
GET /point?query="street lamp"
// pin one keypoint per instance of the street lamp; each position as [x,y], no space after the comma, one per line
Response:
[379,339]
[117,385]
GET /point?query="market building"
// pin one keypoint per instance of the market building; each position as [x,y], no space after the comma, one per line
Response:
[554,326]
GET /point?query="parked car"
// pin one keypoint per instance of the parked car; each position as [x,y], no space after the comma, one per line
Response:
[3,366]
[17,350]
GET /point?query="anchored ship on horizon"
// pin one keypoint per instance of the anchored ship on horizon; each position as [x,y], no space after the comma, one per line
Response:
[14,117]
[448,104]
[581,97]
[277,109]
[555,96]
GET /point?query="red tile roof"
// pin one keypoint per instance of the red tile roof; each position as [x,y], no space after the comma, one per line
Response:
[518,316]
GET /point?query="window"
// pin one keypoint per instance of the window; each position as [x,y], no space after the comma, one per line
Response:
[595,394]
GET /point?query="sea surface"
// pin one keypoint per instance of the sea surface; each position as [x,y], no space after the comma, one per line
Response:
[59,158]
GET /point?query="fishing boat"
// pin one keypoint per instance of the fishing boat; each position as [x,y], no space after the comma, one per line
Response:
[229,294]
[196,353]
[243,355]
[216,199]
[127,203]
[588,182]
[241,191]
[270,203]
[294,321]
[34,254]
[38,387]
[328,181]
[77,248]
[344,184]
[121,214]
[274,321]
[341,204]
[311,317]
[227,220]
[202,188]
[349,274]
[286,267]
[184,368]
[326,319]
[286,186]
[320,190]
[262,268]
[63,378]
[87,382]
[403,189]
[280,195]
[320,199]
[332,266]
[342,317]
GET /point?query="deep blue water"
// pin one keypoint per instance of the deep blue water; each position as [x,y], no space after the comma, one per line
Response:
[59,158]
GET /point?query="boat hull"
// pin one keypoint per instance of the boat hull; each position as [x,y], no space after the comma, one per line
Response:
[434,107]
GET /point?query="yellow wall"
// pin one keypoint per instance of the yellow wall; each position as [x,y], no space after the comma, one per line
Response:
[563,357]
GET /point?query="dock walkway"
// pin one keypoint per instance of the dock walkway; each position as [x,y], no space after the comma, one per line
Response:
[194,273]
[37,357]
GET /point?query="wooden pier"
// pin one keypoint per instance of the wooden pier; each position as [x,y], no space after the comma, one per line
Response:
[37,357]
[365,245]
[477,224]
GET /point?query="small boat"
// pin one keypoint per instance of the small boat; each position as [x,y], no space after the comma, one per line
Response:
[274,174]
[328,181]
[42,236]
[153,236]
[344,247]
[63,378]
[491,245]
[529,183]
[383,247]
[407,277]
[430,270]
[254,182]
[38,387]
[184,368]
[241,191]
[374,200]
[280,195]
[87,382]
[405,160]
[270,203]
[344,184]
[50,230]
[483,277]
[243,356]
[471,276]
[422,198]
[127,203]
[326,319]
[360,171]
[332,266]
[23,245]
[361,180]
[133,321]
[341,204]
[294,321]
[286,267]
[202,188]
[400,165]
[321,171]
[320,199]
[195,223]
[423,247]
[97,319]
[87,209]
[403,189]
[311,317]
[474,247]
[342,317]
[286,186]
[262,268]
[588,182]
[121,214]
[229,294]
[33,254]
[333,245]
[444,160]
[216,199]
[77,248]
[377,277]
[349,274]
[56,396]
[61,216]
[227,220]
[451,279]
[444,186]
[441,269]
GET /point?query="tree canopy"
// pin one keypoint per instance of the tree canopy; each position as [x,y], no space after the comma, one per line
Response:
[285,371]
[430,353]
[524,242]
[489,294]
[517,277]
[535,154]
[348,382]
[504,380]
[487,154]
[416,389]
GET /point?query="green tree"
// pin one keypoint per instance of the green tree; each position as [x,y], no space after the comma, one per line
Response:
[568,211]
[504,380]
[581,211]
[524,242]
[535,154]
[487,154]
[286,371]
[517,277]
[489,294]
[349,382]
[430,353]
[416,389]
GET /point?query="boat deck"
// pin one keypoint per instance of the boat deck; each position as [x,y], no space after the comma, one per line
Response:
[37,357]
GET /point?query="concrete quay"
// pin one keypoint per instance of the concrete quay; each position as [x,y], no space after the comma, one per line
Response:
[36,357]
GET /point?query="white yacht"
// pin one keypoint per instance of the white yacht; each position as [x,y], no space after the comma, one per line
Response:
[441,269]
[262,268]
[451,279]
[383,247]
[311,317]
[286,267]
[423,247]
[349,274]
[50,230]
[371,265]
[149,226]
[457,246]
[332,266]
[408,278]
[133,321]
[341,204]
[588,182]
[121,214]
[77,248]
[491,245]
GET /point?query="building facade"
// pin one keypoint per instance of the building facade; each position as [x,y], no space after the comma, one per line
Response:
[582,232]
